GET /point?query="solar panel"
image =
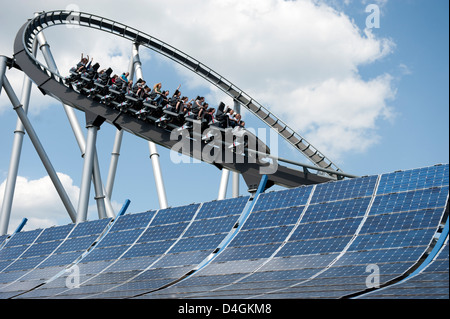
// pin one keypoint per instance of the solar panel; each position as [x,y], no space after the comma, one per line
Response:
[394,236]
[211,224]
[67,250]
[279,199]
[352,188]
[427,177]
[256,241]
[431,283]
[309,242]
[330,249]
[130,239]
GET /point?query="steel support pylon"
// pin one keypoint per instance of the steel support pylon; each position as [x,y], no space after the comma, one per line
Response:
[5,213]
[39,148]
[154,155]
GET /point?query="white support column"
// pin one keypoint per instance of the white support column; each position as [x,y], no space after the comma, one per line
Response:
[98,186]
[117,146]
[114,161]
[235,176]
[39,149]
[19,133]
[235,184]
[154,155]
[3,60]
[79,136]
[85,188]
[223,184]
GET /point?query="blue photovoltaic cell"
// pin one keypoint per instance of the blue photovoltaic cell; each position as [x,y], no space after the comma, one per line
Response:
[125,237]
[314,246]
[77,243]
[207,243]
[344,217]
[431,283]
[280,199]
[222,208]
[10,253]
[50,264]
[407,201]
[402,221]
[326,229]
[352,188]
[211,226]
[164,232]
[90,227]
[175,215]
[428,177]
[279,217]
[254,241]
[2,240]
[41,249]
[132,221]
[261,236]
[338,209]
[33,256]
[23,238]
[143,240]
[55,233]
[216,218]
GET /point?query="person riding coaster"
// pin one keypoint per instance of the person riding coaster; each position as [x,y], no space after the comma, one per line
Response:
[154,105]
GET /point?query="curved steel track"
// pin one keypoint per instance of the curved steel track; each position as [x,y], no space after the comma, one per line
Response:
[53,84]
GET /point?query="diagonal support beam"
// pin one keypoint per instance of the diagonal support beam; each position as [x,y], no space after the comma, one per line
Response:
[100,192]
[3,61]
[16,152]
[39,148]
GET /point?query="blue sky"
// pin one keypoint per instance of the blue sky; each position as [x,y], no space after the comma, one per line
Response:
[373,101]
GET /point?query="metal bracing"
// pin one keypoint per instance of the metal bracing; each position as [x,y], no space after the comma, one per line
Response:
[235,175]
[154,155]
[223,184]
[85,188]
[39,149]
[3,61]
[19,133]
[103,202]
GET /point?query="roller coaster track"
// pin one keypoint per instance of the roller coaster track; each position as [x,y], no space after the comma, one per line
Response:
[53,84]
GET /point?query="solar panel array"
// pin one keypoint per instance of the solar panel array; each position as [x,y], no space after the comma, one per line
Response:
[36,256]
[323,241]
[433,282]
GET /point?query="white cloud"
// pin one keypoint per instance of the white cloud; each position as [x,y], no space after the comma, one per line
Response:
[404,69]
[38,201]
[340,116]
